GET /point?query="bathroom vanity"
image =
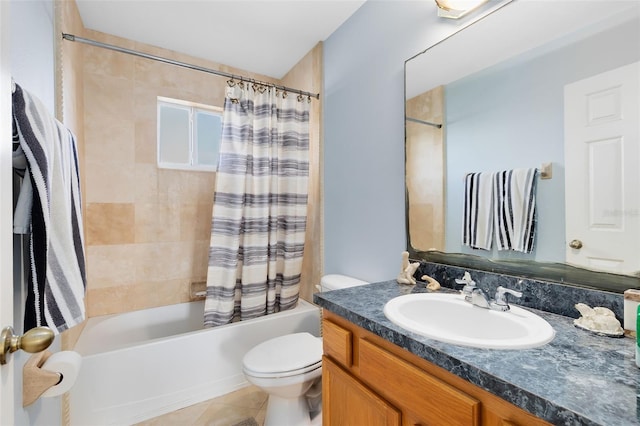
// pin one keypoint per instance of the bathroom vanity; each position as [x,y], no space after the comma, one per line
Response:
[377,373]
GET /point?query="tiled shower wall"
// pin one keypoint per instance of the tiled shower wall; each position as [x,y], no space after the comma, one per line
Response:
[70,98]
[307,75]
[147,229]
[425,182]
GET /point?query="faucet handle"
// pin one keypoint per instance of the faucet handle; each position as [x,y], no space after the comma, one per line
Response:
[467,290]
[501,295]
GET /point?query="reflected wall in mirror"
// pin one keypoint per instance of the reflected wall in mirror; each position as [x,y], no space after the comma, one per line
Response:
[498,89]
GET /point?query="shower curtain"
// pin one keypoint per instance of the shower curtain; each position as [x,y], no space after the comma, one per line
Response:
[260,205]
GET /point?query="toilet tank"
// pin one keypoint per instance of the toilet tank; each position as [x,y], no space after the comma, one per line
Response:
[337,281]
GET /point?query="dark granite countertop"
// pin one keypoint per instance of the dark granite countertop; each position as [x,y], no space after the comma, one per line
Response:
[576,379]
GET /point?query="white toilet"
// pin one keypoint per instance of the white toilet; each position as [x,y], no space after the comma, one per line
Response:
[289,369]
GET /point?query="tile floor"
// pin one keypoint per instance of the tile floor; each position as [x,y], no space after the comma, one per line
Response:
[228,410]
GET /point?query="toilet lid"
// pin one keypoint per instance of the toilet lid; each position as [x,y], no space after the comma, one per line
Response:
[289,353]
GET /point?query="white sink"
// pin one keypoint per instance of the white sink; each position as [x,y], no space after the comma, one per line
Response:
[448,318]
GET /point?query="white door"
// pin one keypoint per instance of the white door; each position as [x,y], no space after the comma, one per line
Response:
[602,175]
[7,373]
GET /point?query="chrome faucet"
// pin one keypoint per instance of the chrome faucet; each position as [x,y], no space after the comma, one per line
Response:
[480,298]
[469,286]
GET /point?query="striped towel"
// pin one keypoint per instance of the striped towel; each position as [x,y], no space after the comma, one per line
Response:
[24,204]
[515,209]
[57,277]
[477,220]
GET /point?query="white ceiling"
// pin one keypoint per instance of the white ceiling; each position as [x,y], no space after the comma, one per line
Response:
[264,36]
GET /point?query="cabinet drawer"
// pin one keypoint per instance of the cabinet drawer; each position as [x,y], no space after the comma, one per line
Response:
[429,399]
[337,343]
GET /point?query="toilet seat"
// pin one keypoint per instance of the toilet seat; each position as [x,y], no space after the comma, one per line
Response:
[284,356]
[278,374]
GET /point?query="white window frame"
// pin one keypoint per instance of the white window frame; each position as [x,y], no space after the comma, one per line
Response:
[192,108]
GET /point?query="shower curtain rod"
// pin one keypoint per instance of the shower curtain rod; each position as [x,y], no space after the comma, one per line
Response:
[428,123]
[72,37]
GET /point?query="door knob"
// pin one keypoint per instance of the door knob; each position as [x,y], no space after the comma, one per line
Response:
[575,244]
[35,340]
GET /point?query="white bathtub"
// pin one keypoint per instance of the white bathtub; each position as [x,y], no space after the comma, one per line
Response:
[142,364]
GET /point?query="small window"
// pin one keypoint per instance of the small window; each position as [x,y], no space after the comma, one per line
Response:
[188,135]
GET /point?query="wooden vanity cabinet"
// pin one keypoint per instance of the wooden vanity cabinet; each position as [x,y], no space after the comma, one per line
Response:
[350,402]
[367,380]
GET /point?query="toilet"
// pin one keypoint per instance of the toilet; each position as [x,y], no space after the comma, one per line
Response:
[289,369]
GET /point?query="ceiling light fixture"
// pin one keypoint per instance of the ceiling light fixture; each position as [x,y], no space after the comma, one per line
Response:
[455,9]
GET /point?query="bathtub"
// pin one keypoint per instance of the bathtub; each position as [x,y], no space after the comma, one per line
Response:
[142,364]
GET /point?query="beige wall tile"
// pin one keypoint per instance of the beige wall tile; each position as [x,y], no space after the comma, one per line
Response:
[111,265]
[197,187]
[161,261]
[110,97]
[110,223]
[195,221]
[111,140]
[157,222]
[146,188]
[146,142]
[145,101]
[132,297]
[109,181]
[108,63]
[200,260]
[149,73]
[185,187]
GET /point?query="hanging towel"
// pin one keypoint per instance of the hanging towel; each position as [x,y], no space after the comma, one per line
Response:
[57,278]
[477,219]
[22,211]
[515,209]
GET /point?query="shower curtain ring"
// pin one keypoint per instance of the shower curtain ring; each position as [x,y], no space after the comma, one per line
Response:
[231,82]
[300,97]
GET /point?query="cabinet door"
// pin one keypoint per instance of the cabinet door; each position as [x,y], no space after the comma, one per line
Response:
[347,402]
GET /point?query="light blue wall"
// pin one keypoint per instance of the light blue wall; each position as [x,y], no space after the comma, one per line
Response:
[32,48]
[364,195]
[511,116]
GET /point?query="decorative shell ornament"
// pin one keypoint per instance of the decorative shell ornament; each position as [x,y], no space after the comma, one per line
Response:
[407,270]
[598,320]
[431,283]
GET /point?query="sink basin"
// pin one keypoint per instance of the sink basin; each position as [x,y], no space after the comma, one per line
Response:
[448,318]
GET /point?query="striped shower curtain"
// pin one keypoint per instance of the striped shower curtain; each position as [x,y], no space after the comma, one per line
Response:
[260,205]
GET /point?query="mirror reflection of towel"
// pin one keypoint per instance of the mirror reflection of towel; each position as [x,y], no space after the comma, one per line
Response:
[477,226]
[515,209]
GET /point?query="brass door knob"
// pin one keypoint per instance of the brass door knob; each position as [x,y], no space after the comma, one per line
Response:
[35,340]
[575,244]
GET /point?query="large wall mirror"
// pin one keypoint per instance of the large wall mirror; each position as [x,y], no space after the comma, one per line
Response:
[547,85]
